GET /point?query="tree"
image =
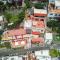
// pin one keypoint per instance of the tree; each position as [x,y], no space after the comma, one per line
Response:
[55,25]
[8,5]
[14,18]
[21,16]
[40,5]
[58,30]
[52,24]
[59,53]
[13,22]
[27,2]
[53,53]
[2,7]
[8,16]
[18,19]
[1,4]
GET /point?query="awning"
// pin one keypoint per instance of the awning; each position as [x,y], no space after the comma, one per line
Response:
[38,14]
[35,33]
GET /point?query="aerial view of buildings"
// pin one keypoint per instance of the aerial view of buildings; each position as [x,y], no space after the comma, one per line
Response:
[29,29]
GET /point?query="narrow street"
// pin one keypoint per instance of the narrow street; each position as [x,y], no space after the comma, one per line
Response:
[7,52]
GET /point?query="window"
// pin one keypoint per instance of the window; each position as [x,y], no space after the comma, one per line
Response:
[41,30]
[41,19]
[33,51]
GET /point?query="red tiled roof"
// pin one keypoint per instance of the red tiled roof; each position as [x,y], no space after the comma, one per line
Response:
[16,32]
[37,40]
[35,33]
[39,24]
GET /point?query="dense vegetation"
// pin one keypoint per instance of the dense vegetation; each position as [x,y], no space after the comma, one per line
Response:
[15,19]
[27,3]
[54,53]
[55,25]
[40,5]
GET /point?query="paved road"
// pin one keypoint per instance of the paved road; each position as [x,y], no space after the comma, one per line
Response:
[7,52]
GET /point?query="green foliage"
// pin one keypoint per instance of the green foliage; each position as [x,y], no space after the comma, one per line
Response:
[20,19]
[27,2]
[7,44]
[8,4]
[1,3]
[14,18]
[54,53]
[56,38]
[21,16]
[52,23]
[58,30]
[40,5]
[55,25]
[8,16]
[2,6]
[59,53]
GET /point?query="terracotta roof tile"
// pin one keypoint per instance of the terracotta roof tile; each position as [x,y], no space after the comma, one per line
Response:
[35,33]
[37,40]
[16,32]
[38,24]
